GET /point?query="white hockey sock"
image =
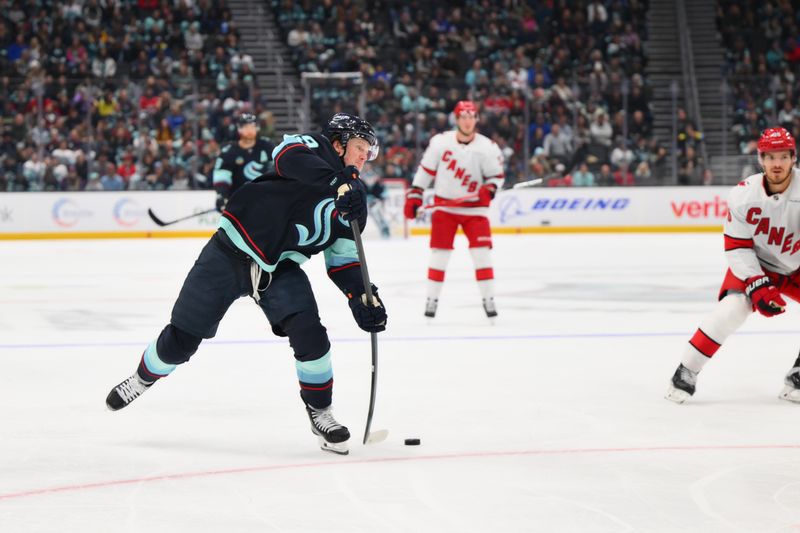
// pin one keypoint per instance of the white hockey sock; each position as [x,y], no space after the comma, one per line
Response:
[436,268]
[484,273]
[729,314]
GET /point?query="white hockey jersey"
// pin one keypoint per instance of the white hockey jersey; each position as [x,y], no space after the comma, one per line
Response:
[763,231]
[459,169]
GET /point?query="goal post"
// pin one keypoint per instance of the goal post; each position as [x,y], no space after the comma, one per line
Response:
[327,93]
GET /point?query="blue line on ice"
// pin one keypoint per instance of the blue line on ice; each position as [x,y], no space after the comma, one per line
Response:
[444,338]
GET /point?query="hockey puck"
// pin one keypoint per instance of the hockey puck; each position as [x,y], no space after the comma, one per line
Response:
[411,442]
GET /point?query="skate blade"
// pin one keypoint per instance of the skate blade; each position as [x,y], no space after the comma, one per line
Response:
[790,394]
[339,448]
[375,437]
[677,395]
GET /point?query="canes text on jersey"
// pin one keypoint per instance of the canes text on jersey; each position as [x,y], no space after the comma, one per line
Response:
[460,172]
[775,235]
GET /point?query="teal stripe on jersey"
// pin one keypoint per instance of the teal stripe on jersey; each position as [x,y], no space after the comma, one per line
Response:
[314,372]
[154,364]
[287,140]
[341,252]
[223,176]
[233,234]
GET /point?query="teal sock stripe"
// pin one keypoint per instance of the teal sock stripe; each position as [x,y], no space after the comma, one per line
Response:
[154,364]
[318,371]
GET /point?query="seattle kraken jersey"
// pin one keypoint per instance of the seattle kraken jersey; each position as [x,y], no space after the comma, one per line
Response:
[236,166]
[289,213]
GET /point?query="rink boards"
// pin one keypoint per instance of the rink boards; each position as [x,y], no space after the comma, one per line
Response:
[51,215]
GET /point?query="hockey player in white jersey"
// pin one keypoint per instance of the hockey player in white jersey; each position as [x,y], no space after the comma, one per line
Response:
[762,241]
[466,169]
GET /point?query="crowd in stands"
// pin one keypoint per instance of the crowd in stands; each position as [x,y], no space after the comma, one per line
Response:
[761,39]
[118,94]
[140,94]
[570,63]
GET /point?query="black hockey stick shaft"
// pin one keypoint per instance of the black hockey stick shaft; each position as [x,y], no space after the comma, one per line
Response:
[373,336]
[160,222]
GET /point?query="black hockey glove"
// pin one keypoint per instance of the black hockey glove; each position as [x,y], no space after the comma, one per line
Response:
[351,201]
[222,201]
[346,175]
[372,319]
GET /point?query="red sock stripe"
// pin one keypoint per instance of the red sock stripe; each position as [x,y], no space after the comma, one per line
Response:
[435,275]
[482,274]
[146,371]
[704,344]
[734,243]
[322,386]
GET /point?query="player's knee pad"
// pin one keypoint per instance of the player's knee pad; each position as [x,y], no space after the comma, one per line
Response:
[734,308]
[307,336]
[730,313]
[481,257]
[175,346]
[439,258]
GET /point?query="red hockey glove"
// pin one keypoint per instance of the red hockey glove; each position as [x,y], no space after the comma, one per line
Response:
[413,202]
[486,194]
[766,298]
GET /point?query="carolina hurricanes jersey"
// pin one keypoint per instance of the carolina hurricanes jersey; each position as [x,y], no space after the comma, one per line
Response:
[460,169]
[763,231]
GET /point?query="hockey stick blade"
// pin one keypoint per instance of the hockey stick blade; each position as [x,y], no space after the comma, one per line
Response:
[526,184]
[375,437]
[160,222]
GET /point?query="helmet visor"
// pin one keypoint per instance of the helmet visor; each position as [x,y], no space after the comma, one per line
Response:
[374,150]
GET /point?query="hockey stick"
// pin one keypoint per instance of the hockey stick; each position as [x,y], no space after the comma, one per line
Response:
[377,436]
[529,183]
[160,222]
[463,201]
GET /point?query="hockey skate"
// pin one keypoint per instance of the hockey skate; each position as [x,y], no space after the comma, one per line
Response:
[791,390]
[488,306]
[430,307]
[682,386]
[331,434]
[127,391]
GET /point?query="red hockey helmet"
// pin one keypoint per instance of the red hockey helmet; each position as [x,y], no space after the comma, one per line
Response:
[465,106]
[775,140]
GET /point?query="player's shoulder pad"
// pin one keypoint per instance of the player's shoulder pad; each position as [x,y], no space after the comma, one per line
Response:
[288,141]
[745,191]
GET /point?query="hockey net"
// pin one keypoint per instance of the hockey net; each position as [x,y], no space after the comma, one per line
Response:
[386,218]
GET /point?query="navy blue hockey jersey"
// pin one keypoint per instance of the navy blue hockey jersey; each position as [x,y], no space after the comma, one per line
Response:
[289,214]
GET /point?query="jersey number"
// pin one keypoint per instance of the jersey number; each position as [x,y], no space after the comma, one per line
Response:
[309,141]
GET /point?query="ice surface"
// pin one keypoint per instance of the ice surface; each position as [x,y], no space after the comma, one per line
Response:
[551,420]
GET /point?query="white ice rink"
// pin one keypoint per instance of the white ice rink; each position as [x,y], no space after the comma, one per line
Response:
[551,420]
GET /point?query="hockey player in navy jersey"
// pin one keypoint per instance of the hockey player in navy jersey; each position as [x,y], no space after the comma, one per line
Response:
[241,161]
[267,230]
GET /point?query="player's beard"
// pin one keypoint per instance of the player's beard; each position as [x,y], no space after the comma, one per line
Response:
[780,179]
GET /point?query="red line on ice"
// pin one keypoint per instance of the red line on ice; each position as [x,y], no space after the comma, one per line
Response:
[267,468]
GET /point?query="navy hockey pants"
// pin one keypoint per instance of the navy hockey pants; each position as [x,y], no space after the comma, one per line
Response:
[220,276]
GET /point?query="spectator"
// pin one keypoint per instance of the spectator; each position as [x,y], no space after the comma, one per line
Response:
[600,129]
[582,177]
[605,178]
[110,180]
[558,145]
